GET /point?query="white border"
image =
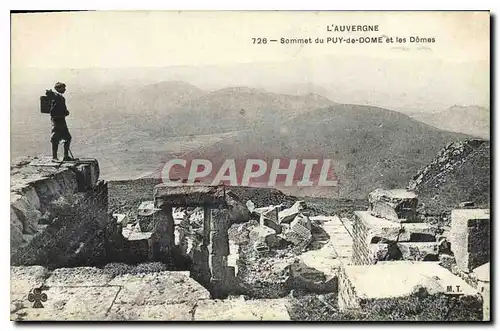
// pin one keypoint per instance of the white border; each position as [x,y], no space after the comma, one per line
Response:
[184,5]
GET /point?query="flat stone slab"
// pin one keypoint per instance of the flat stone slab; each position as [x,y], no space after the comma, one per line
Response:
[87,303]
[25,279]
[393,231]
[81,276]
[242,310]
[132,234]
[324,259]
[463,215]
[174,312]
[38,168]
[92,294]
[189,195]
[482,273]
[167,287]
[401,278]
[340,238]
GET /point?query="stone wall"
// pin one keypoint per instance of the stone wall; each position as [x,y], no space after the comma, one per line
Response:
[470,237]
[378,239]
[59,213]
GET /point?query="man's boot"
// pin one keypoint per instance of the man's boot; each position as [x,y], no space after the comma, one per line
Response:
[66,152]
[55,146]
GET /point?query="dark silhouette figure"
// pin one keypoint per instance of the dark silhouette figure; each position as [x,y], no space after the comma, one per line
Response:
[58,113]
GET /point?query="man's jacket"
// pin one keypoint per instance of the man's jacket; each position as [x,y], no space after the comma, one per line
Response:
[58,107]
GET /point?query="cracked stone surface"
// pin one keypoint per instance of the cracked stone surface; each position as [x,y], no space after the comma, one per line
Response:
[92,294]
[234,310]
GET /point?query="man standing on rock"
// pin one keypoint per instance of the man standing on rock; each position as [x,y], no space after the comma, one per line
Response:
[58,113]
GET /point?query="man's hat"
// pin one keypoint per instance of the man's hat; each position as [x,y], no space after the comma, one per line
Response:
[59,85]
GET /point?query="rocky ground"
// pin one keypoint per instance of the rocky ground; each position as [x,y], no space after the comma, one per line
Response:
[126,293]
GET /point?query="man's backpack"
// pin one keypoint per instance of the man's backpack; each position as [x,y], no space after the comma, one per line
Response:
[45,103]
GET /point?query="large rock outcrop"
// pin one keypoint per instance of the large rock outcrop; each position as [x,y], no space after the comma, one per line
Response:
[59,212]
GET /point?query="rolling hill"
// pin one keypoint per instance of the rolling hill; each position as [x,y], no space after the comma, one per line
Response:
[459,173]
[370,147]
[472,120]
[239,108]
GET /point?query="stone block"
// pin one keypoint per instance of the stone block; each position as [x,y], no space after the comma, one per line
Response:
[87,174]
[164,230]
[241,310]
[24,279]
[87,303]
[324,259]
[399,279]
[382,230]
[408,251]
[368,229]
[263,234]
[218,267]
[185,195]
[157,313]
[289,214]
[167,287]
[273,225]
[470,237]
[395,205]
[299,232]
[311,279]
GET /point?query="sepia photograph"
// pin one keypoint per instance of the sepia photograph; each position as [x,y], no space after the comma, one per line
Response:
[250,166]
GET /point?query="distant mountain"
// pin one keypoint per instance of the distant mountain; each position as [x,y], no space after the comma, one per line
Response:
[299,89]
[472,120]
[371,147]
[459,173]
[239,108]
[159,98]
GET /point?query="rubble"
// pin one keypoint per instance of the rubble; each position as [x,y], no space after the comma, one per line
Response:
[299,231]
[121,219]
[395,205]
[289,214]
[263,234]
[146,208]
[312,280]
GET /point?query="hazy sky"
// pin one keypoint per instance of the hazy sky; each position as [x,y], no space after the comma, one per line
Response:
[135,39]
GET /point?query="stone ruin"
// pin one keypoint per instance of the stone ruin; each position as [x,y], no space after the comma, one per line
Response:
[391,230]
[58,213]
[60,219]
[397,255]
[210,258]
